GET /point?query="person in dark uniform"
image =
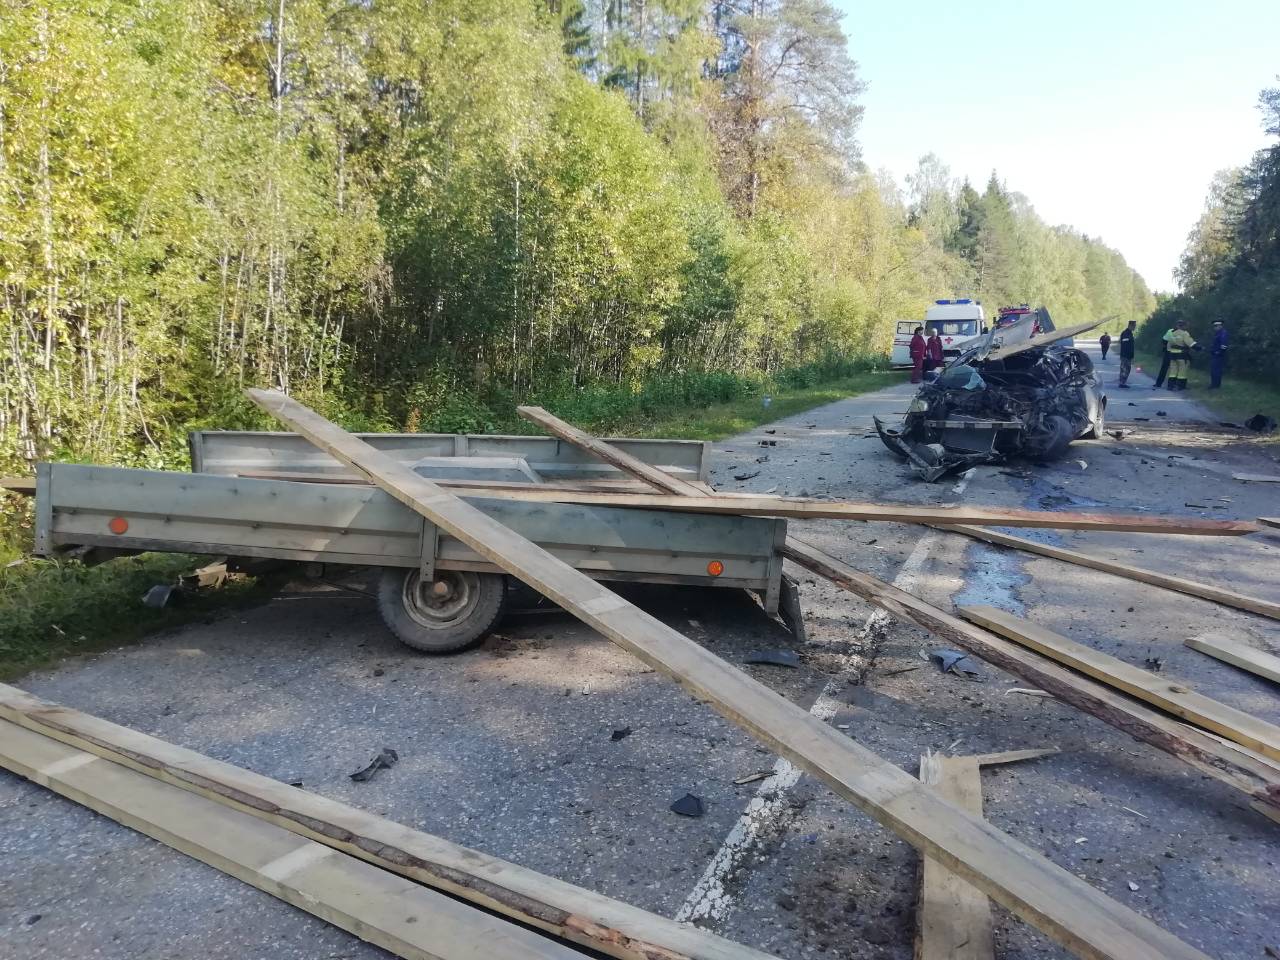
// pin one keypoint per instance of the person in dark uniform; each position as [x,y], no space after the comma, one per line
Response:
[1217,355]
[1126,354]
[1165,359]
[1104,342]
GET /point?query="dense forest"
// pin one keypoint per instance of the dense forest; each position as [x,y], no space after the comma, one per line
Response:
[1231,268]
[411,214]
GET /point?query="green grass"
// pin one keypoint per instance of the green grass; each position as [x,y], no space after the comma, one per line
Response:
[1238,399]
[721,420]
[52,609]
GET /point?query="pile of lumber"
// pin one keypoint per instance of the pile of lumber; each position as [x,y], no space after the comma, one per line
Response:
[368,875]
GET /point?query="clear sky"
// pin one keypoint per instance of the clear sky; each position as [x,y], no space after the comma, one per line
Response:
[1109,116]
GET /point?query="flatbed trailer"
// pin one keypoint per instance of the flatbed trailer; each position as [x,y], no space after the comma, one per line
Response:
[435,593]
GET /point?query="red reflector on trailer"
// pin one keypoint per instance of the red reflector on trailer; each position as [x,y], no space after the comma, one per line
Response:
[118,525]
[715,568]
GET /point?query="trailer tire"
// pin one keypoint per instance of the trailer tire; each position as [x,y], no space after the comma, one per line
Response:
[451,613]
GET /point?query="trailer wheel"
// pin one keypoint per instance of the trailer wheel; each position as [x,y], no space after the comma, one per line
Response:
[449,613]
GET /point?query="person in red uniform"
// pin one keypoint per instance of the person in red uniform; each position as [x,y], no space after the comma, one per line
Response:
[917,355]
[933,351]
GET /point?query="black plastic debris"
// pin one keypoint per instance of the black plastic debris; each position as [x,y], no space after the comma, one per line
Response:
[1261,423]
[771,431]
[1154,664]
[620,734]
[689,806]
[953,661]
[1161,413]
[768,443]
[746,476]
[383,761]
[774,658]
[158,597]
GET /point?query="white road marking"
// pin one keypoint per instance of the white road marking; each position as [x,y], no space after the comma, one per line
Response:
[711,901]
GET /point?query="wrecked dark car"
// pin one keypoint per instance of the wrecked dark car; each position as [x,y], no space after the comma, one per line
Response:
[1029,404]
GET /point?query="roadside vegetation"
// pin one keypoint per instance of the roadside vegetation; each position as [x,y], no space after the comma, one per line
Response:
[53,609]
[1230,271]
[408,213]
[1239,397]
[644,217]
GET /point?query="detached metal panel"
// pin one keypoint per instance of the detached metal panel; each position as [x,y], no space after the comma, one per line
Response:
[229,452]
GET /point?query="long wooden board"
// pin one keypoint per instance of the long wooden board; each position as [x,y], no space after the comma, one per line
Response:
[396,914]
[954,918]
[800,508]
[1238,655]
[570,912]
[1191,588]
[1256,778]
[1065,908]
[1170,695]
[607,452]
[1233,765]
[23,485]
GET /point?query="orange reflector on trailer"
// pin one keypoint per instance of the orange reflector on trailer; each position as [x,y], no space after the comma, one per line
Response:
[715,568]
[118,525]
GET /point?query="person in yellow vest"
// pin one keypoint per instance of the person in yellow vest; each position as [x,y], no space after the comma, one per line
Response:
[1179,344]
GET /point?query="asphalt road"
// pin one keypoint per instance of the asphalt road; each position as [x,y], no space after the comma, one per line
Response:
[507,748]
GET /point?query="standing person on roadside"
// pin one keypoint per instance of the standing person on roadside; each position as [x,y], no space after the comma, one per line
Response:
[1179,345]
[917,355]
[1104,342]
[1165,359]
[1217,355]
[933,351]
[1126,354]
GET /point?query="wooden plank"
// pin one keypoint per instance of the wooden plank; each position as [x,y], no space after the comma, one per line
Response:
[570,912]
[377,906]
[1256,477]
[23,485]
[1054,900]
[1239,655]
[1231,764]
[1013,756]
[1191,588]
[1043,340]
[954,918]
[1257,779]
[599,486]
[801,508]
[1172,696]
[607,452]
[1269,521]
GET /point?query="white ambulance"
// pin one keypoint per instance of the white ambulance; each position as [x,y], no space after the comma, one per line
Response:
[956,321]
